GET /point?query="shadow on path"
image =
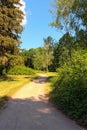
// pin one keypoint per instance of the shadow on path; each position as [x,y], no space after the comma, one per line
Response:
[32,114]
[29,109]
[41,79]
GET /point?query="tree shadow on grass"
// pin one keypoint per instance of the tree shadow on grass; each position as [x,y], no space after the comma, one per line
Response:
[6,78]
[12,78]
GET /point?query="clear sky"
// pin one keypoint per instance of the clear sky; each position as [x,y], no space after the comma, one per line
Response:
[36,27]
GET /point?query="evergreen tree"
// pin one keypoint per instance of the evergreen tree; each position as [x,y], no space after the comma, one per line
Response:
[10,27]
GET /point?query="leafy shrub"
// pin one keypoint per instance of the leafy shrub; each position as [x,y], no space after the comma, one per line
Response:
[15,60]
[21,70]
[70,87]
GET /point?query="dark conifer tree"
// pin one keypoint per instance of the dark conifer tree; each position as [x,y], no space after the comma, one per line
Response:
[10,27]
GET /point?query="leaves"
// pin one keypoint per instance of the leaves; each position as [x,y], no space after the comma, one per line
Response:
[70,87]
[10,27]
[70,14]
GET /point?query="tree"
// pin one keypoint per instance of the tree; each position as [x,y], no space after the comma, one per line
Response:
[10,27]
[38,59]
[48,52]
[28,56]
[81,39]
[63,50]
[79,11]
[62,13]
[70,14]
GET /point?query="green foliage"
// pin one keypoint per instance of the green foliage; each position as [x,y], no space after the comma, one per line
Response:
[79,13]
[70,14]
[70,54]
[39,58]
[81,39]
[14,60]
[62,51]
[10,27]
[9,61]
[21,70]
[28,56]
[70,87]
[48,52]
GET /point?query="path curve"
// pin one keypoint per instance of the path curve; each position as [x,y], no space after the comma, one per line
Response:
[29,109]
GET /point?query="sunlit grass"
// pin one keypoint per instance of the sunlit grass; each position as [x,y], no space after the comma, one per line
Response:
[48,87]
[47,73]
[10,84]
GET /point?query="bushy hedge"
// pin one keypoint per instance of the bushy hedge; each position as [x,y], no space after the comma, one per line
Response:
[21,70]
[70,87]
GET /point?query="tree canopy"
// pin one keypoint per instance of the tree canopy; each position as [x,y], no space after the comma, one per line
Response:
[70,14]
[10,27]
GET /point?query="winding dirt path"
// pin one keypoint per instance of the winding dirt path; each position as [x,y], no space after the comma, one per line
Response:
[29,109]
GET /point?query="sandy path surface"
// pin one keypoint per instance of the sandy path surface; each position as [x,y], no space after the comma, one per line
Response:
[29,109]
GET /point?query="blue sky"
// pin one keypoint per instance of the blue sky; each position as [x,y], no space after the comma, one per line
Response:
[36,28]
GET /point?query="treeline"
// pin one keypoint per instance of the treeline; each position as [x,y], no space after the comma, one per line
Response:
[54,54]
[39,58]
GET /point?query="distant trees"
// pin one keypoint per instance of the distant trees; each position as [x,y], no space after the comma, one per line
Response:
[48,52]
[28,56]
[63,50]
[39,58]
[10,27]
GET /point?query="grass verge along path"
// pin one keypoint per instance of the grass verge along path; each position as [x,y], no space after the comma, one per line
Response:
[10,84]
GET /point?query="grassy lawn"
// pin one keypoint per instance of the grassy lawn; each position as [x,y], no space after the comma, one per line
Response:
[10,84]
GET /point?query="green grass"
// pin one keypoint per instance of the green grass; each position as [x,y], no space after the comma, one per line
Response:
[10,84]
[46,73]
[51,75]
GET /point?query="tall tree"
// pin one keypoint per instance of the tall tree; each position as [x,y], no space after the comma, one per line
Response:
[62,13]
[38,59]
[63,50]
[70,14]
[10,27]
[48,52]
[79,11]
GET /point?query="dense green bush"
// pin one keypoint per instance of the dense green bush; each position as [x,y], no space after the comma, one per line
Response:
[21,70]
[70,87]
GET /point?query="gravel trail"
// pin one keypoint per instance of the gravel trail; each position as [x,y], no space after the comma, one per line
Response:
[29,109]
